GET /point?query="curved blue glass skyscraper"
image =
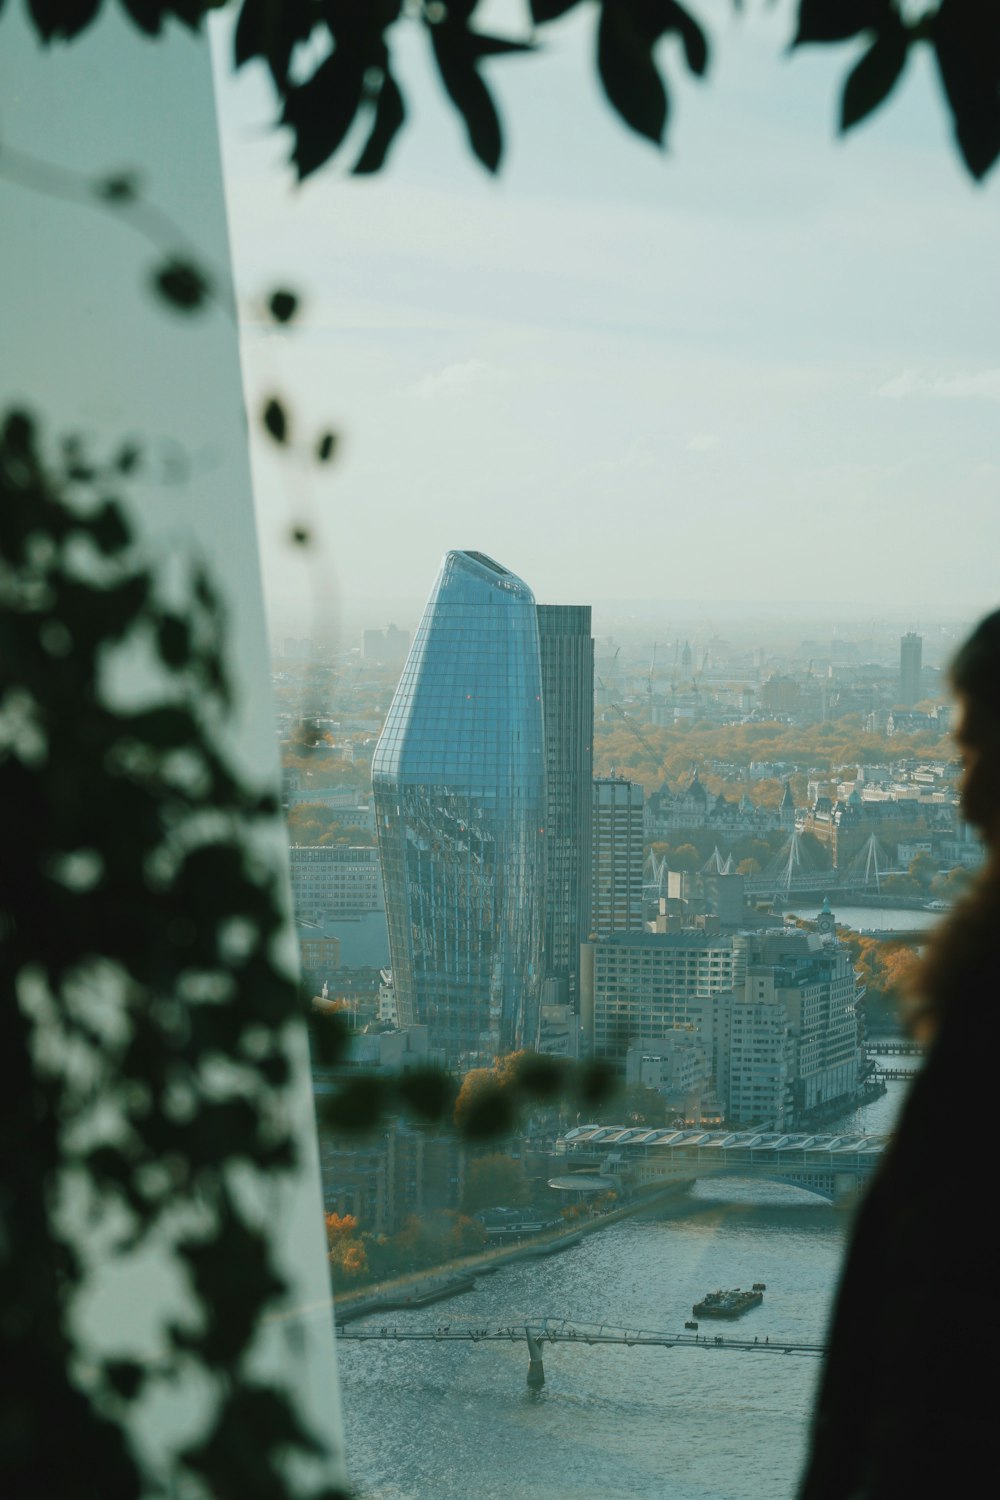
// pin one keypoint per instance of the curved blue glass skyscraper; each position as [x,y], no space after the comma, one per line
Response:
[459,787]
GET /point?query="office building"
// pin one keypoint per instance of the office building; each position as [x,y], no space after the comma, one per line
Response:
[637,987]
[910,661]
[459,788]
[567,662]
[334,880]
[617,859]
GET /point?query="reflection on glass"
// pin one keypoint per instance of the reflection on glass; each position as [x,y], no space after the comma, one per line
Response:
[459,783]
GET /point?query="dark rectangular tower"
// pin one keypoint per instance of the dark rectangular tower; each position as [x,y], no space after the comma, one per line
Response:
[567,657]
[910,661]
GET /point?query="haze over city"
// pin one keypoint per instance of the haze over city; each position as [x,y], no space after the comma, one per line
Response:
[759,366]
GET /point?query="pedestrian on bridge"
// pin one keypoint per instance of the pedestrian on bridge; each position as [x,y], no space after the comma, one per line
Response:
[903,1409]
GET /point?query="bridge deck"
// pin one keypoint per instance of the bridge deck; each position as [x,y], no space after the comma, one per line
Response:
[562,1331]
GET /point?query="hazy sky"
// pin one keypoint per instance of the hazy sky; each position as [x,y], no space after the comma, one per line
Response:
[762,365]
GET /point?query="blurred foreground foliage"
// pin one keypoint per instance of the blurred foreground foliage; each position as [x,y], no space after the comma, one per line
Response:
[331,63]
[146,1024]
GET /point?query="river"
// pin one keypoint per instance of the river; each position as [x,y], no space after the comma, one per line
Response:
[443,1421]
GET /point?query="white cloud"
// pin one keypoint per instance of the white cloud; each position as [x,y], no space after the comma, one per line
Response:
[984,384]
[455,378]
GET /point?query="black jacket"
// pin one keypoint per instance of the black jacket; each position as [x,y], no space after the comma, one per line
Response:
[905,1405]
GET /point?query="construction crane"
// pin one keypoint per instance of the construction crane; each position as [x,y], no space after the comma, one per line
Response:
[628,719]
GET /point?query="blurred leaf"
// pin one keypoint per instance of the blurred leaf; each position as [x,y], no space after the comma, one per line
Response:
[283,305]
[329,1036]
[174,641]
[872,79]
[62,18]
[181,284]
[320,111]
[967,47]
[326,447]
[271,29]
[693,38]
[125,1377]
[108,529]
[390,112]
[275,421]
[455,52]
[541,1077]
[357,1105]
[126,460]
[631,82]
[489,1113]
[147,14]
[123,187]
[595,1082]
[429,1093]
[838,20]
[550,10]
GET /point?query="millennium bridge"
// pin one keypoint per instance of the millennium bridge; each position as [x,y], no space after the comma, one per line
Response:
[549,1330]
[831,1166]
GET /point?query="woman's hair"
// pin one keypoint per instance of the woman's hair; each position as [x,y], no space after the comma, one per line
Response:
[963,945]
[975,671]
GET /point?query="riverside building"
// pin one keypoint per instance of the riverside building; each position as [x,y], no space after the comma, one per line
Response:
[459,789]
[774,1012]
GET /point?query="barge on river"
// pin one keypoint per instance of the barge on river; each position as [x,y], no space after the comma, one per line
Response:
[729,1304]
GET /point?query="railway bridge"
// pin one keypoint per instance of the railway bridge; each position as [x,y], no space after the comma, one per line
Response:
[831,1166]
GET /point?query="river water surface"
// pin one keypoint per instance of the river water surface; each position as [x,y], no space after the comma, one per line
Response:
[437,1421]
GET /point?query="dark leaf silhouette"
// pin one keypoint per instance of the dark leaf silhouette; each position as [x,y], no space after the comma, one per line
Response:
[275,420]
[326,447]
[551,10]
[428,1093]
[837,20]
[320,111]
[967,47]
[455,51]
[693,39]
[125,1377]
[357,1105]
[541,1077]
[390,112]
[182,285]
[271,31]
[628,73]
[122,187]
[283,305]
[873,78]
[147,14]
[490,1112]
[595,1082]
[127,459]
[62,18]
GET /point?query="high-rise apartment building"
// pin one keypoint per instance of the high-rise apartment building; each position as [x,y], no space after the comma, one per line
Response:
[910,661]
[617,864]
[567,660]
[459,791]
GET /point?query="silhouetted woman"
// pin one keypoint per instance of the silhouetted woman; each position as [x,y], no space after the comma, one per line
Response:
[906,1406]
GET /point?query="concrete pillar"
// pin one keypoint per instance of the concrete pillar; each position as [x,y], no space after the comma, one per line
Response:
[536,1371]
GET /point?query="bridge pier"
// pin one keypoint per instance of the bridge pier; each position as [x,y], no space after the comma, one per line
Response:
[536,1370]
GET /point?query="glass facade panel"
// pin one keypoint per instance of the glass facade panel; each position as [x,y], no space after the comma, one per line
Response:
[459,786]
